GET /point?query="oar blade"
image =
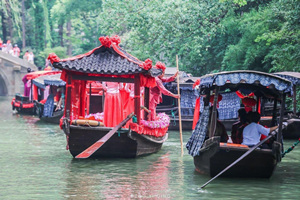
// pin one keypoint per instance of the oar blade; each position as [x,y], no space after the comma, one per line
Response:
[89,151]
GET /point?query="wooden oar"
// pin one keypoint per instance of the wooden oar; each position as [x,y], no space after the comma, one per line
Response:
[240,158]
[94,147]
[179,109]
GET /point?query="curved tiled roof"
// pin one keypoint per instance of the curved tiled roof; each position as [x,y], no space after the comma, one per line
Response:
[103,60]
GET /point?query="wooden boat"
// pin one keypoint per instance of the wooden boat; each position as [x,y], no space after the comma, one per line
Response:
[54,82]
[293,129]
[187,101]
[107,63]
[210,155]
[24,104]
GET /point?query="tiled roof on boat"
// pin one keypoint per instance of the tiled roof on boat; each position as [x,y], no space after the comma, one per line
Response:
[110,59]
[101,61]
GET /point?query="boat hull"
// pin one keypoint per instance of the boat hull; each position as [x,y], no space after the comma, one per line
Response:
[23,108]
[292,131]
[187,124]
[123,144]
[214,158]
[55,119]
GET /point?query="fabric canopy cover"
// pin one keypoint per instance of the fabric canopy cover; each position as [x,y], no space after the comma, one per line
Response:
[294,77]
[249,77]
[45,80]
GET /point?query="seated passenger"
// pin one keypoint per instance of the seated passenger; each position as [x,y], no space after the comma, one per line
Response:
[220,128]
[252,132]
[237,137]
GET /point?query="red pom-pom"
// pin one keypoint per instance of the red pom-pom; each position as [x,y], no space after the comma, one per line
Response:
[105,41]
[147,64]
[53,58]
[247,101]
[116,39]
[160,65]
[196,83]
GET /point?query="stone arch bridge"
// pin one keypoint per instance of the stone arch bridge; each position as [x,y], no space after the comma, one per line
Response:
[12,70]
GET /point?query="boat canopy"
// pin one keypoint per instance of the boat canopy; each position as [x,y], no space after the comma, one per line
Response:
[246,77]
[294,77]
[106,63]
[43,81]
[33,75]
[104,60]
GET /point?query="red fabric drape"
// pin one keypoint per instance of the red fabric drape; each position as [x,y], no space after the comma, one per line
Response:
[259,106]
[196,112]
[141,129]
[35,92]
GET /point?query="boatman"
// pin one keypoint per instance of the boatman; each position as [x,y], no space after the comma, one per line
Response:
[157,91]
[252,132]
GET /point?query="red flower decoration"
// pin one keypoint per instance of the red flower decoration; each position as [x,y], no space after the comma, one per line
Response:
[105,41]
[196,83]
[115,39]
[160,65]
[147,64]
[247,101]
[211,99]
[53,58]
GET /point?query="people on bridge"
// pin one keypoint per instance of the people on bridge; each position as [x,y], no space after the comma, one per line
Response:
[1,43]
[25,56]
[16,51]
[9,47]
[31,57]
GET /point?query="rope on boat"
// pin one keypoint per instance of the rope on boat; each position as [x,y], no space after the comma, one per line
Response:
[291,148]
[173,116]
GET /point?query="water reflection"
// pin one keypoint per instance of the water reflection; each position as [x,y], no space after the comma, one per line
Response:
[120,178]
[35,165]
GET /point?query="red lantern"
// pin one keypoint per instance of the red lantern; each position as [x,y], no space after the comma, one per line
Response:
[211,99]
[247,101]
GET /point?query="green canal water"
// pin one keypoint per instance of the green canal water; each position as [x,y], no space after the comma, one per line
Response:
[34,164]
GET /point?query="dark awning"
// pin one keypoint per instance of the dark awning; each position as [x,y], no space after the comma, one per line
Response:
[43,81]
[246,77]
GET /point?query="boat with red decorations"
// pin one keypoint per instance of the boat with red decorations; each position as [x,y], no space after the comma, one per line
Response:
[212,156]
[25,103]
[84,123]
[50,109]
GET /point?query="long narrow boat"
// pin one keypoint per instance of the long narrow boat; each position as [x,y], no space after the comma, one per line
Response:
[187,101]
[109,63]
[210,155]
[293,129]
[24,104]
[54,82]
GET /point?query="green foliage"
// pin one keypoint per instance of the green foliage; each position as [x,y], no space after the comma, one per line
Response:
[208,36]
[59,51]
